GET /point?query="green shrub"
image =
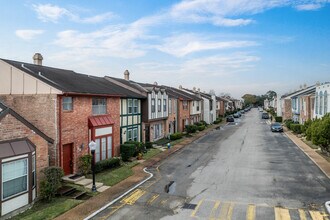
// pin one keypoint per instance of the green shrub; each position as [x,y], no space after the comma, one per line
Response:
[107,164]
[148,145]
[176,136]
[198,123]
[201,128]
[85,163]
[288,123]
[191,129]
[278,119]
[204,123]
[320,134]
[127,151]
[307,124]
[51,182]
[296,128]
[139,147]
[219,120]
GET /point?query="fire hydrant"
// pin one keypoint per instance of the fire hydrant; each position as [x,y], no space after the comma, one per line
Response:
[168,145]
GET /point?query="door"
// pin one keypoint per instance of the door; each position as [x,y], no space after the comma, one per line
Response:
[67,159]
[147,134]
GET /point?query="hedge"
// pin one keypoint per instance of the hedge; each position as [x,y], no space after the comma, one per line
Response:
[296,128]
[176,136]
[148,145]
[318,132]
[107,164]
[127,151]
[278,119]
[139,146]
[85,163]
[218,121]
[201,128]
[191,128]
[51,182]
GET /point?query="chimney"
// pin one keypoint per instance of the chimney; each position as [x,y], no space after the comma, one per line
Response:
[126,75]
[155,83]
[194,89]
[37,59]
[198,89]
[180,86]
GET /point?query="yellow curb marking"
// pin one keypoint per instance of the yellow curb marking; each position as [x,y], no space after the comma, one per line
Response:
[302,214]
[251,212]
[282,214]
[215,207]
[163,202]
[193,214]
[226,211]
[152,199]
[115,209]
[133,197]
[316,215]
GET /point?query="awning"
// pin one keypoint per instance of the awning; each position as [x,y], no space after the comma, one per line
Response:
[100,120]
[16,147]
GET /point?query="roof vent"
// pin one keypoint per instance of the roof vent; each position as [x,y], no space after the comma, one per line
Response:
[180,86]
[37,59]
[126,75]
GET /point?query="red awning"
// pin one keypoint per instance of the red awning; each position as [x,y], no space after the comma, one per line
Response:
[100,120]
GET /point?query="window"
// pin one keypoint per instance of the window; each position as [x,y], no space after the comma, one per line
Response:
[129,135]
[136,106]
[153,109]
[197,108]
[135,134]
[159,106]
[130,106]
[185,105]
[325,102]
[33,170]
[109,148]
[104,148]
[211,106]
[14,177]
[97,150]
[67,104]
[99,106]
[170,106]
[321,103]
[164,105]
[316,103]
[157,131]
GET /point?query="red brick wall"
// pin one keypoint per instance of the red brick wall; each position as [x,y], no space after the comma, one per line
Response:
[182,115]
[222,108]
[75,130]
[171,116]
[11,128]
[287,113]
[39,110]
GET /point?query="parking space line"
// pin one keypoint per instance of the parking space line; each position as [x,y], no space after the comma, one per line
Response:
[152,199]
[302,214]
[251,212]
[193,214]
[215,207]
[316,215]
[282,214]
[133,197]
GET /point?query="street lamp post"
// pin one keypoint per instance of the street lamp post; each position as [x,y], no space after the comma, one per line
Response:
[92,147]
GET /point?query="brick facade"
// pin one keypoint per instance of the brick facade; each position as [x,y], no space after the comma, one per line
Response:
[11,128]
[172,117]
[40,111]
[287,113]
[183,115]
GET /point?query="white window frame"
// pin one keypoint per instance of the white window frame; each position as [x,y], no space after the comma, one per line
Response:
[321,103]
[135,134]
[16,177]
[130,106]
[325,98]
[169,106]
[99,106]
[164,105]
[159,105]
[135,106]
[153,105]
[67,103]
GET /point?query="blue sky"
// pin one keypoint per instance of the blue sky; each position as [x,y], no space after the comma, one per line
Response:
[230,46]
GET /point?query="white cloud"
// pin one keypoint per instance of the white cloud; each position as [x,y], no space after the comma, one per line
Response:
[28,34]
[53,13]
[181,45]
[308,7]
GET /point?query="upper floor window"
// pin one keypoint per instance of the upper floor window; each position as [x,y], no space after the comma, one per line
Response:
[130,106]
[170,106]
[135,106]
[325,102]
[164,105]
[316,103]
[211,106]
[99,106]
[159,105]
[197,107]
[185,104]
[153,105]
[67,104]
[321,103]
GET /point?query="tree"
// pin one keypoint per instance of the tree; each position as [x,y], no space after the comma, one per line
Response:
[271,94]
[249,99]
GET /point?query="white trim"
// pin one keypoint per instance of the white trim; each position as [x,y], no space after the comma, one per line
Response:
[14,158]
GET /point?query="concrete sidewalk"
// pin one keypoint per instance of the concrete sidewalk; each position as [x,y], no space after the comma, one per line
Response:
[91,205]
[322,163]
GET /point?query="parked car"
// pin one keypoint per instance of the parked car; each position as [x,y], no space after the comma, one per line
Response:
[239,114]
[236,115]
[276,127]
[265,115]
[230,118]
[242,112]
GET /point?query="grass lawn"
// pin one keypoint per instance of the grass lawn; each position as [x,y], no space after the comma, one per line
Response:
[151,153]
[112,177]
[43,210]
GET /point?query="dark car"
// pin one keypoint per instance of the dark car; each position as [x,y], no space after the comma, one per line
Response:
[276,127]
[265,115]
[236,115]
[230,118]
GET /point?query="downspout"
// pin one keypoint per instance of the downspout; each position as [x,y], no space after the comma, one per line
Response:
[60,130]
[56,131]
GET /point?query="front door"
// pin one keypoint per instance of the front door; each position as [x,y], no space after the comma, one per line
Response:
[147,134]
[67,159]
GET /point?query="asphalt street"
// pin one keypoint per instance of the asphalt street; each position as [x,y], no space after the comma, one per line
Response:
[240,171]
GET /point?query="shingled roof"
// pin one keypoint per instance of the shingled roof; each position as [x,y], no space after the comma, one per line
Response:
[70,82]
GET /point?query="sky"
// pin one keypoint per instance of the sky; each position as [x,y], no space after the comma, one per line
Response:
[229,46]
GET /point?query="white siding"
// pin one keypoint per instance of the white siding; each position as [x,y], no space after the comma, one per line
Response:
[161,114]
[15,203]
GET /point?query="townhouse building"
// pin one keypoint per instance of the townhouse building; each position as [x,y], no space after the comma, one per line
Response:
[322,92]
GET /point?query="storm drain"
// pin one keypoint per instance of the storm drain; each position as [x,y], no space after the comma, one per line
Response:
[189,206]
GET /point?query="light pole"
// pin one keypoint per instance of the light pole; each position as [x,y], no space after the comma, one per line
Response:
[92,147]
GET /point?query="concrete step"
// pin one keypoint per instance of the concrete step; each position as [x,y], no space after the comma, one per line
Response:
[72,178]
[84,182]
[103,188]
[66,190]
[97,184]
[77,194]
